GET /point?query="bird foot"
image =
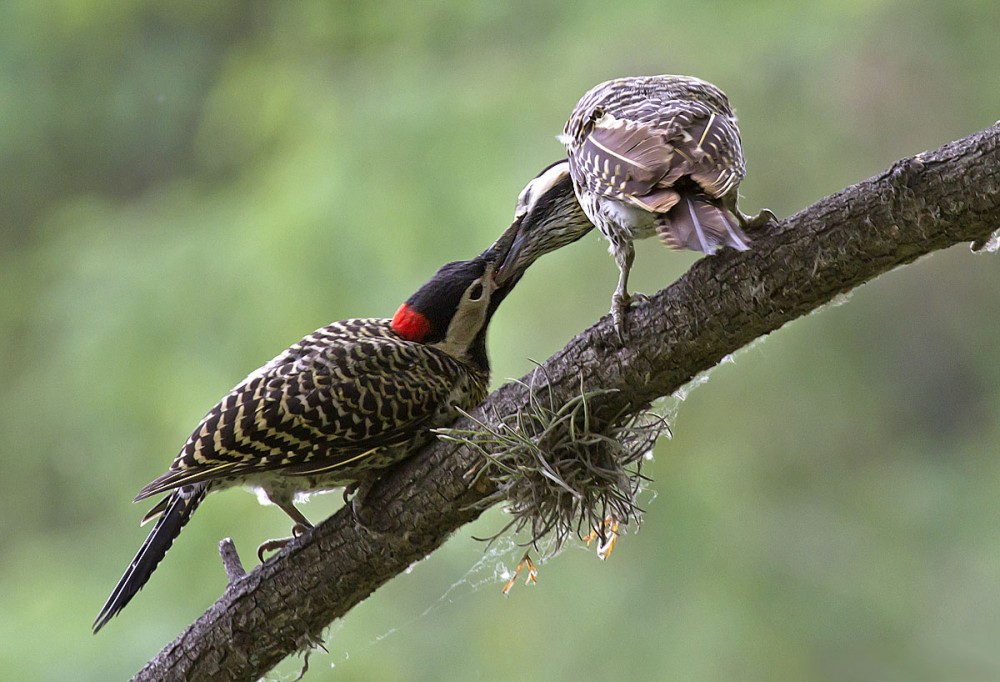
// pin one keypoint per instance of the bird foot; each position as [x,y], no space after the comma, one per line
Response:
[355,495]
[271,546]
[298,530]
[755,223]
[620,303]
[619,310]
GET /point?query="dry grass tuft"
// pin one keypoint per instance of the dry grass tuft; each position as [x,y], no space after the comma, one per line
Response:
[559,472]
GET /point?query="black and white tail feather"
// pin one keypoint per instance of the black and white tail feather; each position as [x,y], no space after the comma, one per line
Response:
[177,509]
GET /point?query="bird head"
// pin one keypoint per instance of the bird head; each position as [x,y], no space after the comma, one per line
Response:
[452,310]
[588,111]
[547,217]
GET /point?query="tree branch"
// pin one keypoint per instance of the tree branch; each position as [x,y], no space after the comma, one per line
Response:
[919,205]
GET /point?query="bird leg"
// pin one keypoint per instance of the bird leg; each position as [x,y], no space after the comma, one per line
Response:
[620,300]
[299,528]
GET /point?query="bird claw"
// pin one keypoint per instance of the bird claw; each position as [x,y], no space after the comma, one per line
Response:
[355,496]
[356,513]
[763,219]
[298,530]
[620,305]
[619,311]
[271,546]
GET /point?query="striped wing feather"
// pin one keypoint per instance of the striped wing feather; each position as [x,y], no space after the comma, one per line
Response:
[641,152]
[319,405]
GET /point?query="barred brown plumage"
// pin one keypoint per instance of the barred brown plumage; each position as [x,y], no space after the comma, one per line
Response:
[548,217]
[658,155]
[334,409]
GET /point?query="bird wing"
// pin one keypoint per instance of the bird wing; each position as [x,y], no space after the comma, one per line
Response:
[638,155]
[323,403]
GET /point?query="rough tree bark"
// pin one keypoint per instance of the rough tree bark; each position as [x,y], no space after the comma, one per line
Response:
[919,205]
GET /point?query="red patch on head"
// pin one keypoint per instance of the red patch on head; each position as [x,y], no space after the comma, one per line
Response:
[410,324]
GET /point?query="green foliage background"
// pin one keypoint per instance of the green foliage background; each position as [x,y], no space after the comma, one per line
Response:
[188,187]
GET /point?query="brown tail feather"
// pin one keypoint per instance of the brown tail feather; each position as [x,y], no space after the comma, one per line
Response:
[701,224]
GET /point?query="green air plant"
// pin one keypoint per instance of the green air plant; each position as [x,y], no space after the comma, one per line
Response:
[560,471]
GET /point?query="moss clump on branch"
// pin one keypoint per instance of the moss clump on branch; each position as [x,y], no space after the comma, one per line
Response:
[560,471]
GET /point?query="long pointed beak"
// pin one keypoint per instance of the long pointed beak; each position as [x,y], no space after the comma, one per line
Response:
[512,241]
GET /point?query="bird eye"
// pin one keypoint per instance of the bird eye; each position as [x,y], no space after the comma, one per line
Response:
[597,115]
[476,291]
[523,201]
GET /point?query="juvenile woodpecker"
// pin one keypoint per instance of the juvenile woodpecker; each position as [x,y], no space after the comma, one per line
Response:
[335,408]
[658,155]
[547,216]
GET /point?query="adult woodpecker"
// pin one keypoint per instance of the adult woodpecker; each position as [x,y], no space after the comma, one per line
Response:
[333,409]
[658,155]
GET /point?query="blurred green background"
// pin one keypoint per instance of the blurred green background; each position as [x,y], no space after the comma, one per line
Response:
[188,187]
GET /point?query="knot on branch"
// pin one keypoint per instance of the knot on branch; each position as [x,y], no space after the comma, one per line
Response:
[904,199]
[231,561]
